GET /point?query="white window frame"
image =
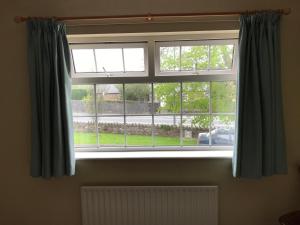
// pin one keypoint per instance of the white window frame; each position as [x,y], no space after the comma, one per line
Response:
[108,46]
[153,75]
[228,72]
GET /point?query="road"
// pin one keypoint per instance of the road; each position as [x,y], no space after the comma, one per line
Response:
[146,120]
[165,120]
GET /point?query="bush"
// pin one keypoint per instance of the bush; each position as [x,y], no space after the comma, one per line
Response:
[166,127]
[79,94]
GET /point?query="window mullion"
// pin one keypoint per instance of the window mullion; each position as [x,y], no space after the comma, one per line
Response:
[151,59]
[124,114]
[96,112]
[208,58]
[152,114]
[181,127]
[235,57]
[210,114]
[180,58]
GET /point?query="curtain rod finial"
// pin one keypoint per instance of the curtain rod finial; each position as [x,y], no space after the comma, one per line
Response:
[286,11]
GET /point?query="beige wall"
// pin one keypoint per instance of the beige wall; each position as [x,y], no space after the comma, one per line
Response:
[28,201]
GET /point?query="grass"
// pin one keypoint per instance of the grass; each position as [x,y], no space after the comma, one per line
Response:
[118,139]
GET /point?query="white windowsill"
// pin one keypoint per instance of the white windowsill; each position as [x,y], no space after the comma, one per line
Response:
[153,154]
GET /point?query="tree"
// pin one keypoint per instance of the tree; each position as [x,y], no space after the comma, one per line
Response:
[168,94]
[195,95]
[79,94]
[196,57]
[135,92]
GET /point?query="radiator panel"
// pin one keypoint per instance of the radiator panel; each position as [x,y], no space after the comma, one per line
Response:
[149,205]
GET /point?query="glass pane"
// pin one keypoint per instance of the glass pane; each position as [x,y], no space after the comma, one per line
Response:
[223,96]
[134,59]
[137,98]
[194,58]
[223,130]
[85,130]
[111,131]
[166,130]
[195,130]
[166,98]
[195,97]
[221,57]
[169,58]
[109,99]
[139,130]
[109,60]
[84,60]
[83,100]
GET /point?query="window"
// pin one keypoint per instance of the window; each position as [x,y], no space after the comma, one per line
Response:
[154,94]
[100,60]
[195,57]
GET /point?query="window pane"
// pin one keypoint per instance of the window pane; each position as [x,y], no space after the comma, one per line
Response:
[134,59]
[109,60]
[84,60]
[194,58]
[111,131]
[195,97]
[223,130]
[195,130]
[169,58]
[166,130]
[85,130]
[221,57]
[166,98]
[223,96]
[83,100]
[109,99]
[138,98]
[139,130]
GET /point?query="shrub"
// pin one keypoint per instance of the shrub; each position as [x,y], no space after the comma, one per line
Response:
[79,94]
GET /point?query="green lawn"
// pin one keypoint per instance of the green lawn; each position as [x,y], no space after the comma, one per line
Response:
[118,139]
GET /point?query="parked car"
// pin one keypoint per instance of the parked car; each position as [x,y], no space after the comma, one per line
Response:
[219,136]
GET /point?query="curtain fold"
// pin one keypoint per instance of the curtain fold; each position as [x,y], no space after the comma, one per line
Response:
[260,147]
[52,153]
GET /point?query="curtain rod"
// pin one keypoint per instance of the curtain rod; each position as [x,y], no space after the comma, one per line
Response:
[149,17]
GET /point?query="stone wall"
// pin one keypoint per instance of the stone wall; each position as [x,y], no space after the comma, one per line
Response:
[139,129]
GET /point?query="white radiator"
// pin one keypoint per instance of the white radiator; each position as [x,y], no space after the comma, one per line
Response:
[149,205]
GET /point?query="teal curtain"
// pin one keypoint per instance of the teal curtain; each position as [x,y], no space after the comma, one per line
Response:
[52,152]
[260,147]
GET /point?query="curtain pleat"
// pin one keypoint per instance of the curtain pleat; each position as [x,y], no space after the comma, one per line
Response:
[52,152]
[260,148]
